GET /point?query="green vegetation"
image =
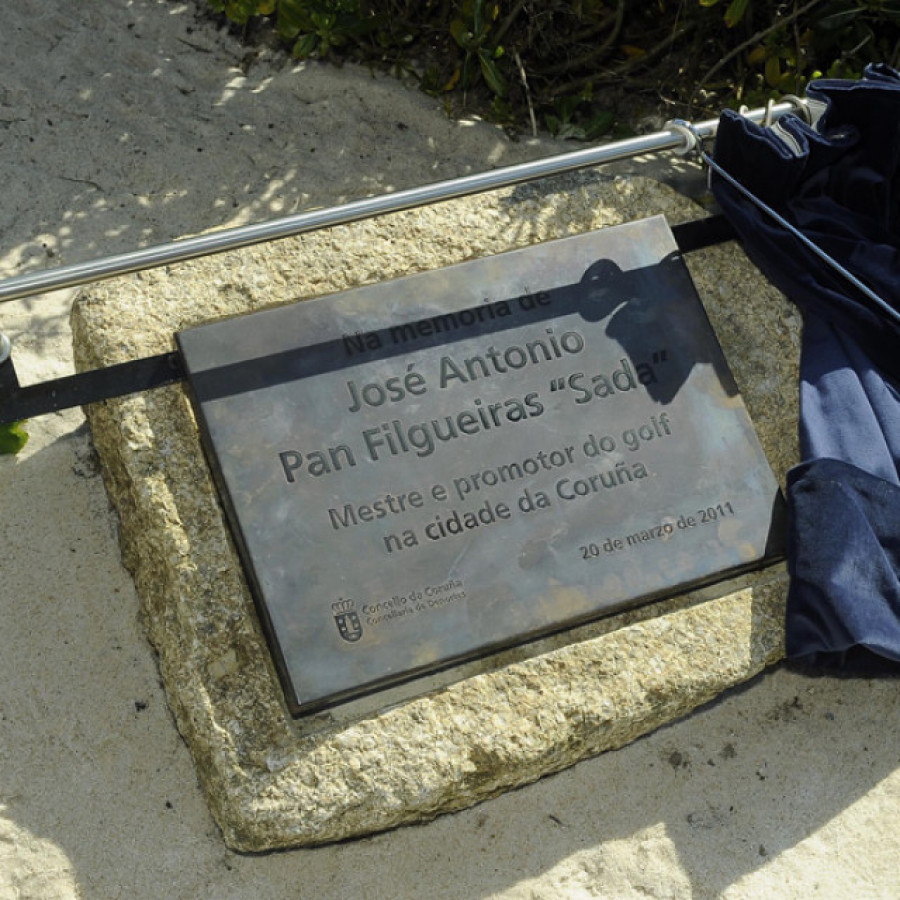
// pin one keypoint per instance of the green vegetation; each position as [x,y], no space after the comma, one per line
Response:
[12,438]
[584,68]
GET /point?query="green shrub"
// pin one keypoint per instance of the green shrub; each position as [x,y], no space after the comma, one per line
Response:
[12,438]
[580,68]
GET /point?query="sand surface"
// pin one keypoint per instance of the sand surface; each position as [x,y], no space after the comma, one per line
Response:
[129,123]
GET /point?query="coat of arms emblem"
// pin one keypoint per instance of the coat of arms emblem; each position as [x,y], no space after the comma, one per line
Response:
[347,620]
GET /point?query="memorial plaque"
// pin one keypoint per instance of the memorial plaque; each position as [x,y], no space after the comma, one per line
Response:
[423,471]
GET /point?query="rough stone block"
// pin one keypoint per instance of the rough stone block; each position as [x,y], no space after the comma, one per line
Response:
[492,725]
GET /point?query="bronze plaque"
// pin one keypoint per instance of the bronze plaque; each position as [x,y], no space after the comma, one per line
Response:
[423,471]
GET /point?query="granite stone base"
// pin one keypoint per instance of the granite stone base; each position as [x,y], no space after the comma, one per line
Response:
[449,741]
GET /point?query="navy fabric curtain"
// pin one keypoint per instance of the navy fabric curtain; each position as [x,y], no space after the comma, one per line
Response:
[837,180]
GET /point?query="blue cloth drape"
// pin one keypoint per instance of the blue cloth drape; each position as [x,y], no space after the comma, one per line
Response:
[838,181]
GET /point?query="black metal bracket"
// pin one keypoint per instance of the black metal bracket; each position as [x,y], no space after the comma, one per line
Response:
[18,403]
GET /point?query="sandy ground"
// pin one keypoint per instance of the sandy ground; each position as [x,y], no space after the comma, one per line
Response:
[129,123]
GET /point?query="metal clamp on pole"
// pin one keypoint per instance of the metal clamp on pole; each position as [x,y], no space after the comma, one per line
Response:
[693,143]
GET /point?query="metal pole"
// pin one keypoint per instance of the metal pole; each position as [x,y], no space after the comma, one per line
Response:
[232,238]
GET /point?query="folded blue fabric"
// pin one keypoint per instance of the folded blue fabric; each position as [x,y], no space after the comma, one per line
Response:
[844,601]
[837,180]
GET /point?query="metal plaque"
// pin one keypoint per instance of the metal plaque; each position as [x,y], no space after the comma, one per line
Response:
[423,471]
